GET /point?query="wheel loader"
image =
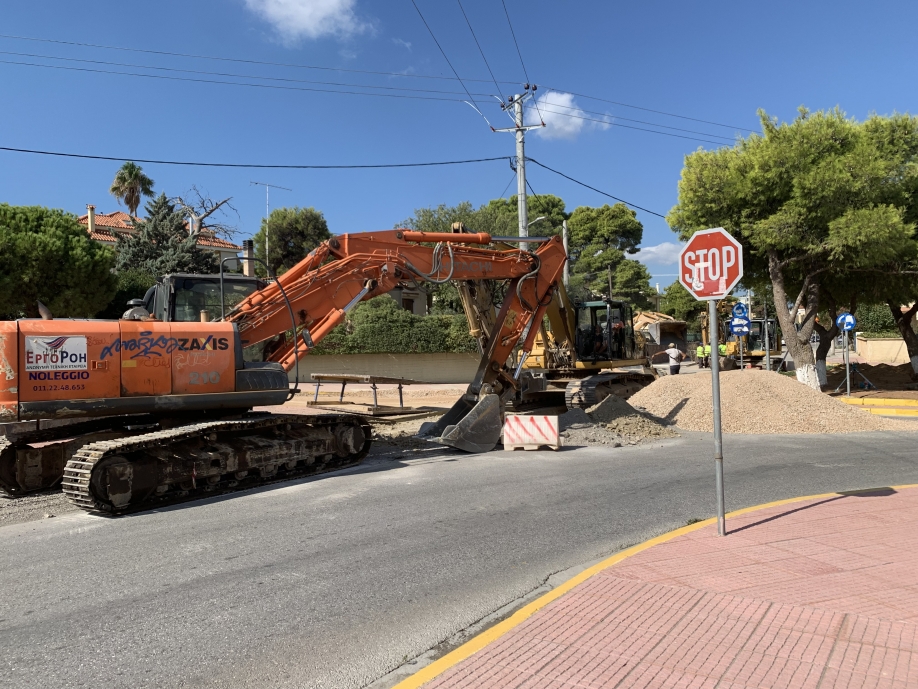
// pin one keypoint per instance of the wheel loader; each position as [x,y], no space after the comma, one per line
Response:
[159,405]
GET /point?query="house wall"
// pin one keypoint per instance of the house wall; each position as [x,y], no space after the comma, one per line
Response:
[446,367]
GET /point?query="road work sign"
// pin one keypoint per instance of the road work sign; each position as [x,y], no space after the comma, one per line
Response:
[711,264]
[846,322]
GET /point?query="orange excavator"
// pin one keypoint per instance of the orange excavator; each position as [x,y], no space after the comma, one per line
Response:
[159,409]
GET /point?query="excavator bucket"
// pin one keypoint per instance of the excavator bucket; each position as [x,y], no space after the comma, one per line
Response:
[469,425]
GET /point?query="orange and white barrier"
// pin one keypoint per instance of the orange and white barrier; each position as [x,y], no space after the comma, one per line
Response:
[531,432]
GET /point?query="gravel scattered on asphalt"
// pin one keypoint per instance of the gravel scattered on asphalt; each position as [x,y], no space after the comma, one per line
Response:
[755,401]
[28,508]
[612,422]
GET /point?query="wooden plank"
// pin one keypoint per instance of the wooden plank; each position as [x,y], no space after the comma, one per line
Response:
[365,379]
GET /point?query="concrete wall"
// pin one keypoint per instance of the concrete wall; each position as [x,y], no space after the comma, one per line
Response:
[428,368]
[887,350]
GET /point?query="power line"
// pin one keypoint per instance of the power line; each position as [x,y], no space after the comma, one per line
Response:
[234,59]
[443,52]
[352,71]
[319,90]
[479,48]
[627,126]
[250,165]
[230,83]
[598,191]
[336,83]
[638,107]
[231,75]
[525,73]
[629,119]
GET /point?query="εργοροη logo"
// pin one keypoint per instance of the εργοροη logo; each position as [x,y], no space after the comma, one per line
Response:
[63,353]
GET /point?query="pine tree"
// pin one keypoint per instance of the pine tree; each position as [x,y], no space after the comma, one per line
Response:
[161,244]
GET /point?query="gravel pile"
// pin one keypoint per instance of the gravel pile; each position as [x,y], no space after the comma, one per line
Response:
[612,422]
[755,401]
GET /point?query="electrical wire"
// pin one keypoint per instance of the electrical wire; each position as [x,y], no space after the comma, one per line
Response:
[479,47]
[612,117]
[443,53]
[234,59]
[507,187]
[523,64]
[640,129]
[638,107]
[233,75]
[598,191]
[232,83]
[251,165]
[352,71]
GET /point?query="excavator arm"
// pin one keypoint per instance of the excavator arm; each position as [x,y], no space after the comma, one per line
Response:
[351,268]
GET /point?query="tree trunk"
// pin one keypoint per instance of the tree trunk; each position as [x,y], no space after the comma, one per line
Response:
[827,335]
[904,323]
[798,341]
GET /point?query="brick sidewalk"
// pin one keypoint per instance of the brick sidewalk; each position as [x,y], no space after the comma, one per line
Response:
[816,594]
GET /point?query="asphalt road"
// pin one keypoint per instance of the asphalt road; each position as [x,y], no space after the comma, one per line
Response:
[334,581]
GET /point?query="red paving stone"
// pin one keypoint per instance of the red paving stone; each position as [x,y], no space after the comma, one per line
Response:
[812,595]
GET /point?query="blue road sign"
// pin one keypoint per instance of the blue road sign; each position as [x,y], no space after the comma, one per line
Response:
[846,322]
[739,310]
[739,325]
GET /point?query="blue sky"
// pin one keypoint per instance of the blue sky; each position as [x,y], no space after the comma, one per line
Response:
[713,61]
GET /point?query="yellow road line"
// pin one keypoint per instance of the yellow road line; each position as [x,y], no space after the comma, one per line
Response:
[476,643]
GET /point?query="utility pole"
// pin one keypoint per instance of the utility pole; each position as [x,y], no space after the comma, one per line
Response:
[268,188]
[519,129]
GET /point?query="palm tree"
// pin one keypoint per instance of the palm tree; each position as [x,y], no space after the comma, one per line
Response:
[129,185]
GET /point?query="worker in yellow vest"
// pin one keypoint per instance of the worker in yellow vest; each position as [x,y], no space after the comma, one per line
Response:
[699,355]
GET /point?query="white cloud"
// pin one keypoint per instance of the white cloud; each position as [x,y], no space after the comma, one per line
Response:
[563,117]
[402,42]
[295,19]
[663,254]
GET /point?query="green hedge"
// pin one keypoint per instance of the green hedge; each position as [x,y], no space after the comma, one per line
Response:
[380,326]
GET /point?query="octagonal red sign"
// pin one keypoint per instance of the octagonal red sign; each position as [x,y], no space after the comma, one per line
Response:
[711,264]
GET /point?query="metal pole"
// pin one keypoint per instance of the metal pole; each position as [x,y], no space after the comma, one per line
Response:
[567,274]
[767,343]
[267,226]
[718,438]
[847,365]
[740,340]
[522,210]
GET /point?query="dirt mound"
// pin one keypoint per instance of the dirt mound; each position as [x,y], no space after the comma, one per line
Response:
[611,422]
[755,401]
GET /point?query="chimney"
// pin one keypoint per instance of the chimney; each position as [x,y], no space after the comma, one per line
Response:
[248,251]
[91,217]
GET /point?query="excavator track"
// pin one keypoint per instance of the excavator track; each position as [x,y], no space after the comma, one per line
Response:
[34,460]
[199,459]
[592,390]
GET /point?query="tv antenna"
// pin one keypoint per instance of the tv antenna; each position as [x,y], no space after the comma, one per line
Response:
[268,188]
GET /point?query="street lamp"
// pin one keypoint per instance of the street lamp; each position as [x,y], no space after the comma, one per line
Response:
[541,217]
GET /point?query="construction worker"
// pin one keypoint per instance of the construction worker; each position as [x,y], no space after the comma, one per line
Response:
[707,355]
[722,349]
[699,355]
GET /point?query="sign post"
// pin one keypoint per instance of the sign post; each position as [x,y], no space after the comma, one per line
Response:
[710,265]
[846,322]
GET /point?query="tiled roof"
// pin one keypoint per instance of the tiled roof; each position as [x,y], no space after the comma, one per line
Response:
[107,224]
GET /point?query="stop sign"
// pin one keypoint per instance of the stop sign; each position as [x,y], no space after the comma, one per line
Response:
[711,264]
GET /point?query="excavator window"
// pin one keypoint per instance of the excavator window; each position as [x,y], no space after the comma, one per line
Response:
[193,295]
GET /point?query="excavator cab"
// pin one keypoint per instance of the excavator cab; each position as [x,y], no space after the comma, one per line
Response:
[186,297]
[604,330]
